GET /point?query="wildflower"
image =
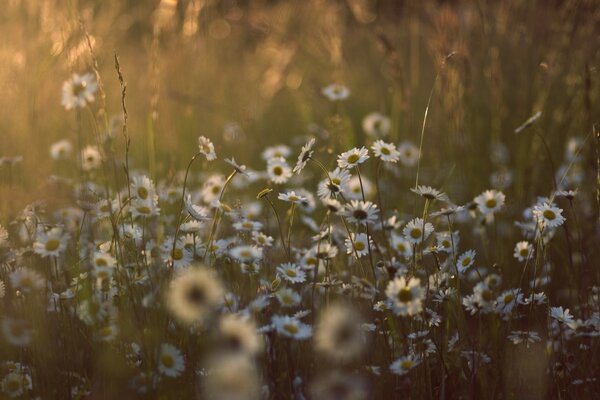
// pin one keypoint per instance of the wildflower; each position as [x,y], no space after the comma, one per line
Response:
[193,294]
[170,361]
[239,334]
[176,254]
[561,315]
[402,246]
[353,157]
[417,231]
[409,154]
[26,280]
[232,376]
[51,243]
[278,170]
[16,383]
[339,334]
[490,201]
[465,260]
[567,194]
[144,208]
[262,240]
[292,197]
[143,188]
[527,337]
[206,147]
[275,151]
[523,251]
[404,364]
[361,212]
[240,169]
[246,254]
[405,296]
[91,158]
[429,193]
[16,332]
[211,190]
[385,151]
[79,91]
[548,215]
[291,327]
[356,188]
[199,213]
[376,125]
[61,150]
[447,241]
[357,244]
[291,273]
[508,300]
[336,92]
[305,154]
[288,297]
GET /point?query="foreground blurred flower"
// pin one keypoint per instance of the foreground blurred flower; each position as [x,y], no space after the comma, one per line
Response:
[26,280]
[336,92]
[238,334]
[376,125]
[16,383]
[79,91]
[170,362]
[61,150]
[339,335]
[193,294]
[231,377]
[16,332]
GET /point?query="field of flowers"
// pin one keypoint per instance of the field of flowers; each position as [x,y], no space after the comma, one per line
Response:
[321,199]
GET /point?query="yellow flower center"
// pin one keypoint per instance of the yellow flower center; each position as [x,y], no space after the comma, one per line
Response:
[415,233]
[291,328]
[359,246]
[353,158]
[549,215]
[52,244]
[167,360]
[405,295]
[491,203]
[142,192]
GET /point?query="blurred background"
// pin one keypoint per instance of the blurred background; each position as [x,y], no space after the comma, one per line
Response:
[248,74]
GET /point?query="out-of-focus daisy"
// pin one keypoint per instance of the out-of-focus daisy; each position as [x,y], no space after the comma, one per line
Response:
[358,244]
[333,205]
[51,243]
[356,188]
[291,327]
[199,213]
[17,332]
[246,253]
[144,208]
[527,337]
[61,150]
[446,241]
[402,246]
[490,201]
[361,212]
[240,169]
[353,157]
[404,364]
[239,334]
[376,125]
[262,240]
[508,300]
[170,361]
[336,92]
[193,294]
[206,147]
[16,383]
[288,297]
[465,260]
[561,315]
[523,250]
[429,193]
[305,154]
[548,215]
[385,151]
[291,273]
[26,280]
[339,335]
[278,170]
[91,158]
[409,154]
[417,231]
[275,151]
[335,385]
[232,376]
[212,188]
[292,197]
[78,91]
[405,296]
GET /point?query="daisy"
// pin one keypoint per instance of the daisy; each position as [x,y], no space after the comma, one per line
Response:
[409,154]
[305,155]
[333,205]
[404,364]
[16,383]
[276,151]
[446,241]
[240,169]
[291,273]
[405,296]
[199,213]
[212,187]
[523,251]
[91,158]
[246,253]
[527,337]
[262,240]
[548,215]
[144,208]
[51,243]
[416,231]
[376,125]
[206,147]
[288,297]
[231,376]
[193,294]
[143,188]
[402,246]
[561,315]
[278,170]
[79,91]
[170,361]
[26,280]
[292,197]
[353,157]
[336,183]
[465,260]
[429,193]
[291,327]
[102,259]
[339,335]
[336,92]
[356,188]
[61,150]
[358,244]
[361,212]
[17,332]
[508,300]
[490,201]
[385,151]
[176,254]
[247,225]
[239,334]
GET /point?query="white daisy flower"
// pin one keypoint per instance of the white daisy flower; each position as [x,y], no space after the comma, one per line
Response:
[404,364]
[465,260]
[360,212]
[416,231]
[292,197]
[490,201]
[16,383]
[278,170]
[61,150]
[385,151]
[561,315]
[336,183]
[288,297]
[246,254]
[291,327]
[143,188]
[239,334]
[548,215]
[91,158]
[51,243]
[409,154]
[429,193]
[206,147]
[376,125]
[402,246]
[291,273]
[446,241]
[199,213]
[353,157]
[305,154]
[281,150]
[170,361]
[359,244]
[78,91]
[336,92]
[262,240]
[405,296]
[523,250]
